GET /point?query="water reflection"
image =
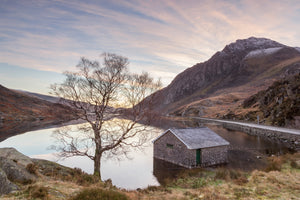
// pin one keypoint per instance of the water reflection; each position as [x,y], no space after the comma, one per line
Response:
[165,171]
[12,128]
[246,153]
[136,172]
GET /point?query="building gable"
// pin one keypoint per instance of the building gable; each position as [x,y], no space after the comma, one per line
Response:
[168,138]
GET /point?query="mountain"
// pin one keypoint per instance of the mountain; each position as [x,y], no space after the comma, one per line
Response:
[219,85]
[18,110]
[278,105]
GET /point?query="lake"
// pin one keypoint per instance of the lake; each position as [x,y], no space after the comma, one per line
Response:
[140,169]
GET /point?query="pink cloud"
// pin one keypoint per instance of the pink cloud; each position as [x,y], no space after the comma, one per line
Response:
[170,35]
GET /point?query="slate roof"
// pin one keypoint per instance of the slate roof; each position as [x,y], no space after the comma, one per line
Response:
[197,138]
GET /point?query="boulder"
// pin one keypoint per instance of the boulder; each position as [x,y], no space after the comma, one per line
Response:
[16,172]
[5,185]
[13,154]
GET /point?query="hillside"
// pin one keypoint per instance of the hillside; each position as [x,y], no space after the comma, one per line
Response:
[219,85]
[25,178]
[278,105]
[18,110]
[51,99]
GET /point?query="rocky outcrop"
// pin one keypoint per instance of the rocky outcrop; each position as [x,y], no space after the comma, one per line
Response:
[15,176]
[16,172]
[13,169]
[13,154]
[5,185]
[278,105]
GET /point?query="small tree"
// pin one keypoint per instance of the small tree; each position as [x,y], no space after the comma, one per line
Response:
[93,91]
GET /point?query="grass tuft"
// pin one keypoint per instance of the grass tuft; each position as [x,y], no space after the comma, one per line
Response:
[38,192]
[95,194]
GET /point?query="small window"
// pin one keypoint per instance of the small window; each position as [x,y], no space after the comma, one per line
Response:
[170,146]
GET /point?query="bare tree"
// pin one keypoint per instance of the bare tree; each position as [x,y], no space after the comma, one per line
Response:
[94,91]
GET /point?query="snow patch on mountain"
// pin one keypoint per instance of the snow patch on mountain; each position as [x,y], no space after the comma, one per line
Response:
[262,52]
[297,48]
[251,43]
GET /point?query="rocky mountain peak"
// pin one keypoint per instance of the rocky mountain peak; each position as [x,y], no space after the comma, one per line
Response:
[250,44]
[242,67]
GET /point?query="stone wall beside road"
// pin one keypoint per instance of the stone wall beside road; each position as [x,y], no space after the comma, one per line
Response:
[289,136]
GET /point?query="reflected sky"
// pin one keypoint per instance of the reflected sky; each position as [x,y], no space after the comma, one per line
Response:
[136,172]
[31,143]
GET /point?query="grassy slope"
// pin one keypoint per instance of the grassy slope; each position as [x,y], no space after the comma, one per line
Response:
[281,180]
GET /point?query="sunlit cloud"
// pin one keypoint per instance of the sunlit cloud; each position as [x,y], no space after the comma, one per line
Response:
[163,37]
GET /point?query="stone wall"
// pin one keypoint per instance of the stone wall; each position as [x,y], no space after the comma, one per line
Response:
[214,155]
[292,140]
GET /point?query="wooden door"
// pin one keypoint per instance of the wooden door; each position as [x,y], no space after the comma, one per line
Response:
[198,156]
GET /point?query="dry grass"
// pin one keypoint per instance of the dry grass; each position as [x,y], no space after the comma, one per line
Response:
[46,189]
[214,106]
[230,184]
[194,184]
[98,193]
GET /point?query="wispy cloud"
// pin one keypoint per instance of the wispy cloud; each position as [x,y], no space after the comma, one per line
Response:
[164,37]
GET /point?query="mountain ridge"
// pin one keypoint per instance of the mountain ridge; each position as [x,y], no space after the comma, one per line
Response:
[49,98]
[228,72]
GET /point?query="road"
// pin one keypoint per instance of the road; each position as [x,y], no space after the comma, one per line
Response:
[272,128]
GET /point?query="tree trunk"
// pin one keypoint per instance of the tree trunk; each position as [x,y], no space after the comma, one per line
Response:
[97,163]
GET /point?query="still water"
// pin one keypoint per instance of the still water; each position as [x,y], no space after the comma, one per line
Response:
[140,169]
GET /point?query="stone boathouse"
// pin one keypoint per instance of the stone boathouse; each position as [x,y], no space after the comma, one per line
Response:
[191,147]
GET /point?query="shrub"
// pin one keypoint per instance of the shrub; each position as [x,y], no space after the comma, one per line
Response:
[199,182]
[209,194]
[274,164]
[82,178]
[235,175]
[240,193]
[76,171]
[152,188]
[294,164]
[221,174]
[260,191]
[86,179]
[32,168]
[39,192]
[95,194]
[108,183]
[241,180]
[190,195]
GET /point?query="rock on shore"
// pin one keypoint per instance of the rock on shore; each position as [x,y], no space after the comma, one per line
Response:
[13,169]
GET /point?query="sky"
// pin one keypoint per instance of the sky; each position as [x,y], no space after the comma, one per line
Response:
[40,39]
